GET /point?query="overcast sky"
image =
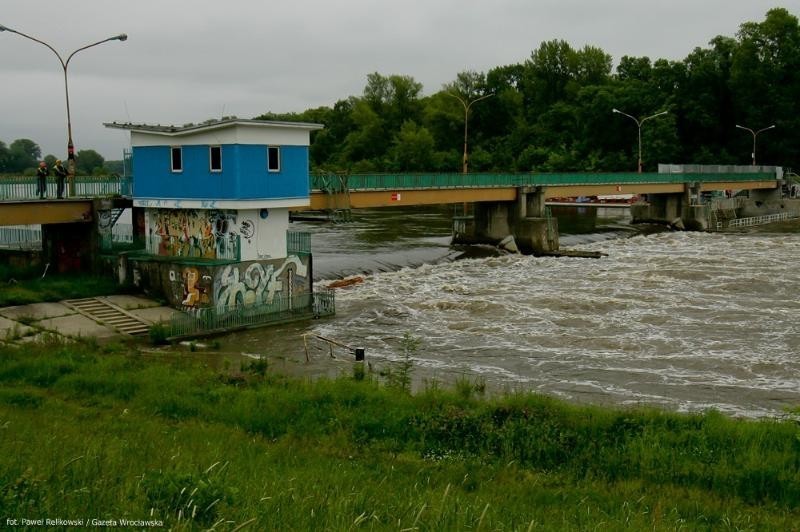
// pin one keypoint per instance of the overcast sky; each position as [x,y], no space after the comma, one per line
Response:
[190,60]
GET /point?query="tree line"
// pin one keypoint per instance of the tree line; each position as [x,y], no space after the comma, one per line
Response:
[22,156]
[553,112]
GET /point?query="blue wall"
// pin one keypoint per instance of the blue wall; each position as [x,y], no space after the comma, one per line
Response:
[244,174]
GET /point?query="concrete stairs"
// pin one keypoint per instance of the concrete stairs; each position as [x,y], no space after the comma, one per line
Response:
[110,315]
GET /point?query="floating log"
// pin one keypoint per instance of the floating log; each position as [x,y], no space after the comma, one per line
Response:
[347,281]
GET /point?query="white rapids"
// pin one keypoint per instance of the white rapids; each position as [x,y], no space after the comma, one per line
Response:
[686,321]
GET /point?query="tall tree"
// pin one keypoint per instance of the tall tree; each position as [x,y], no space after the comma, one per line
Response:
[24,154]
[413,149]
[765,77]
[5,157]
[89,161]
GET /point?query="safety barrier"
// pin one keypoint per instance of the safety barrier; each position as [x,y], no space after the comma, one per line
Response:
[21,237]
[24,187]
[757,220]
[338,183]
[298,242]
[281,309]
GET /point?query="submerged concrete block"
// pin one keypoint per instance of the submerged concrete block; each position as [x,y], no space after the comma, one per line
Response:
[536,235]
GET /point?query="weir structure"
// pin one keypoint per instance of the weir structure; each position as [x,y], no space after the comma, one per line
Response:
[516,204]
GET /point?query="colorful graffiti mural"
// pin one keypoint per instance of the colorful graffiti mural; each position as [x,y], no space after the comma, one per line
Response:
[257,283]
[193,288]
[194,232]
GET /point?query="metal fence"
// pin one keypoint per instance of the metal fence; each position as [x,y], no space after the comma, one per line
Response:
[338,183]
[121,238]
[21,237]
[281,309]
[122,233]
[298,242]
[756,220]
[776,171]
[24,188]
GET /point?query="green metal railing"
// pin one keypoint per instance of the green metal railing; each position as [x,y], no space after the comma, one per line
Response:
[21,188]
[21,237]
[298,242]
[281,309]
[24,188]
[334,183]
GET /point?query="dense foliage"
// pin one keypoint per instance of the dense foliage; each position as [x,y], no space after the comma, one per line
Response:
[113,433]
[23,155]
[554,111]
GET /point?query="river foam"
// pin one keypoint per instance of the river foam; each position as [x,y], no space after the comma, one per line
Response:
[688,321]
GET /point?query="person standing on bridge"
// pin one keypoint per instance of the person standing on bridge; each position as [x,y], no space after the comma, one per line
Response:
[61,174]
[41,180]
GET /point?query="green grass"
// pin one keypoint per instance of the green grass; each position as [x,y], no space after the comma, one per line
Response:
[101,432]
[53,287]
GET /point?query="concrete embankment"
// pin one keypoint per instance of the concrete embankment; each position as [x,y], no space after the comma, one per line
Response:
[102,318]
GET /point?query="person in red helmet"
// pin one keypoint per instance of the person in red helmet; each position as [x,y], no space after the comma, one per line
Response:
[41,180]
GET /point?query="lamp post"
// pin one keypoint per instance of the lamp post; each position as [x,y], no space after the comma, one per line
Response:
[755,134]
[467,105]
[639,126]
[64,65]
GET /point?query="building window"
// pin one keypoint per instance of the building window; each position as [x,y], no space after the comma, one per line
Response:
[215,158]
[176,156]
[273,158]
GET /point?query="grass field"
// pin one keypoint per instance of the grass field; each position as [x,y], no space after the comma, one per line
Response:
[23,286]
[90,432]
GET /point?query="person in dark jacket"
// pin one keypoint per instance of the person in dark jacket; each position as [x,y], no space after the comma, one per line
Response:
[41,180]
[61,174]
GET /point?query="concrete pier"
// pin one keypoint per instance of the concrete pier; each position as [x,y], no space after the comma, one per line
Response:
[525,219]
[691,212]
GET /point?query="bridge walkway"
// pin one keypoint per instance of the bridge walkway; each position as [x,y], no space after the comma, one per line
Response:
[20,205]
[385,190]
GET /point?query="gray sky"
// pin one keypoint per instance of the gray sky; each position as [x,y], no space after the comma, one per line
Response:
[189,60]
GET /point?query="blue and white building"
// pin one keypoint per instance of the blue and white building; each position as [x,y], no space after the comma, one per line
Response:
[214,201]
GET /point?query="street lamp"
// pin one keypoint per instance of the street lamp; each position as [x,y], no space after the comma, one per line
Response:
[64,65]
[467,105]
[755,134]
[639,125]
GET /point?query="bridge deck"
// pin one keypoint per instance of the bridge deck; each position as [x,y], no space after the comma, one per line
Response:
[383,190]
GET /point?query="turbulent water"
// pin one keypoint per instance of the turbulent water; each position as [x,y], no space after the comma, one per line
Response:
[687,321]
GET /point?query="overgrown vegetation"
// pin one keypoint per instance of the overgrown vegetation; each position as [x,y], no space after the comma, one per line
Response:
[107,433]
[23,286]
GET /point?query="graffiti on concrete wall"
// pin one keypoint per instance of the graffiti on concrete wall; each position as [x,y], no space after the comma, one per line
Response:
[257,283]
[190,287]
[194,232]
[193,288]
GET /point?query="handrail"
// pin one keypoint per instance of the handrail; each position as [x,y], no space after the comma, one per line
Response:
[395,181]
[24,187]
[207,320]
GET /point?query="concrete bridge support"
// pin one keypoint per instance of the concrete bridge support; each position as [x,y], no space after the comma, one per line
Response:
[687,211]
[660,208]
[767,201]
[682,210]
[525,219]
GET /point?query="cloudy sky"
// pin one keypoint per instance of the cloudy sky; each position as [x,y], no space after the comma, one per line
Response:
[189,60]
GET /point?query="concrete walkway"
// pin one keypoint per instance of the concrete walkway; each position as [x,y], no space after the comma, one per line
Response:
[39,321]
